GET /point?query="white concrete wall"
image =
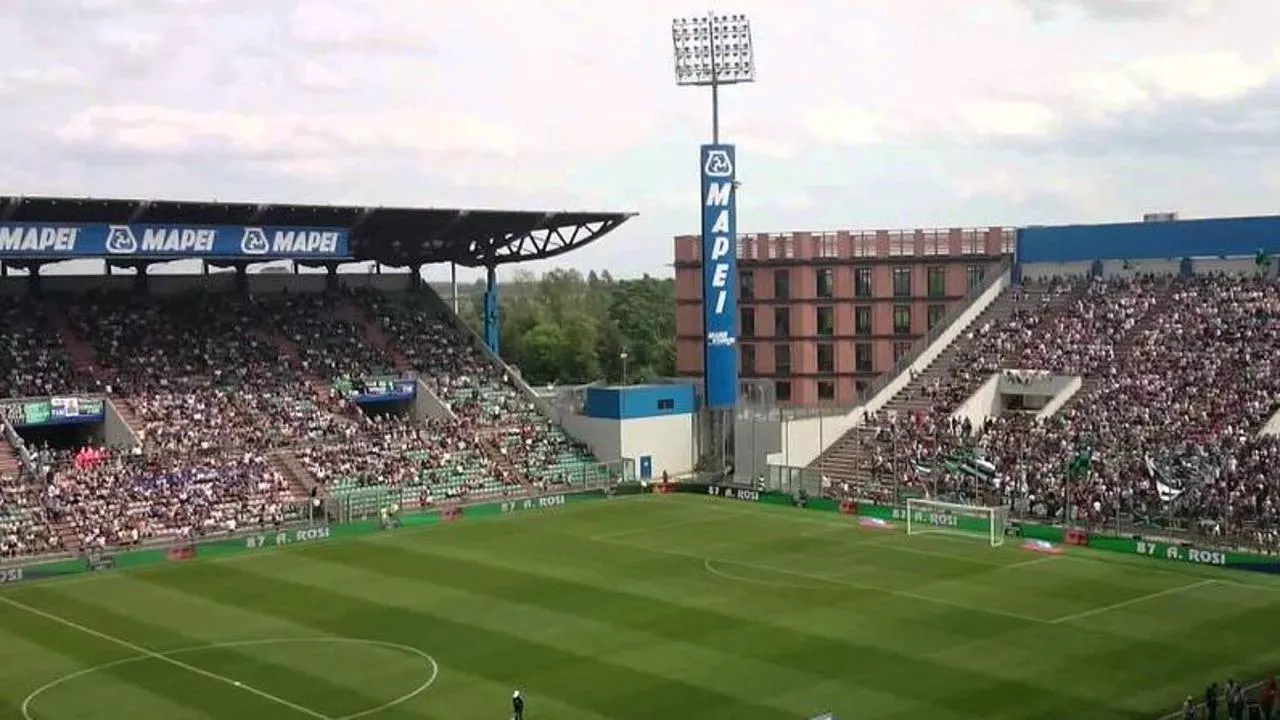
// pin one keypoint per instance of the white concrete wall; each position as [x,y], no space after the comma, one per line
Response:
[1033,271]
[803,440]
[601,435]
[1054,405]
[667,440]
[982,404]
[1118,269]
[1272,428]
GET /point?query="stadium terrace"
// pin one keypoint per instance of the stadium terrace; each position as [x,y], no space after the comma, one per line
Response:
[223,476]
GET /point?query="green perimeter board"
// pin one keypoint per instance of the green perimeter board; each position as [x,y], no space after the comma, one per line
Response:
[231,546]
[1168,552]
[248,543]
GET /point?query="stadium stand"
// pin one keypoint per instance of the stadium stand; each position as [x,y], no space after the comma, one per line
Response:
[234,399]
[1180,376]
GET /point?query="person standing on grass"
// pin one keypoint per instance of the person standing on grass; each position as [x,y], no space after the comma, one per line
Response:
[1189,708]
[1267,698]
[1235,700]
[517,706]
[1211,701]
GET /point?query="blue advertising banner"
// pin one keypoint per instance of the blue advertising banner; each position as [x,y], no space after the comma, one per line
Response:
[53,411]
[72,240]
[719,276]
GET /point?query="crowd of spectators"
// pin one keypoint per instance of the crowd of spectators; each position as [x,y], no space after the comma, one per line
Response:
[125,499]
[32,359]
[214,384]
[1181,377]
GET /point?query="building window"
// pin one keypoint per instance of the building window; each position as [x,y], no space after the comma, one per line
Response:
[864,245]
[901,350]
[826,320]
[937,282]
[860,387]
[862,358]
[1008,241]
[782,322]
[748,356]
[936,313]
[782,284]
[901,319]
[826,358]
[824,281]
[862,282]
[788,247]
[935,242]
[782,391]
[826,390]
[901,243]
[971,242]
[746,248]
[827,245]
[782,360]
[974,275]
[666,404]
[902,282]
[862,320]
[747,322]
[746,285]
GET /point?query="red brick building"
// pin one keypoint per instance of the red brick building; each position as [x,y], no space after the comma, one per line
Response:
[822,314]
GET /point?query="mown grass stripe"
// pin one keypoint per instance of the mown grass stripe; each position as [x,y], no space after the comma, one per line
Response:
[593,683]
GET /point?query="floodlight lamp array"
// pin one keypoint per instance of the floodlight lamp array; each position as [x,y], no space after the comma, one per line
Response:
[713,50]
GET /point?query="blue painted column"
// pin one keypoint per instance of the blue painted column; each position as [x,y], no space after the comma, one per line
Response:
[492,336]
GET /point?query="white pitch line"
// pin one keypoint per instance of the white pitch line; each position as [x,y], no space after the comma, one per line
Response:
[833,581]
[1131,601]
[162,658]
[1032,561]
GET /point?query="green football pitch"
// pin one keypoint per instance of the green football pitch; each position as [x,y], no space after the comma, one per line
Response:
[654,607]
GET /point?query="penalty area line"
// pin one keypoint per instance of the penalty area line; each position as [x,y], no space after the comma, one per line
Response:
[162,658]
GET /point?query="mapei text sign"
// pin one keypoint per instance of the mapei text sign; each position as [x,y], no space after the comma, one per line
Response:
[720,275]
[72,240]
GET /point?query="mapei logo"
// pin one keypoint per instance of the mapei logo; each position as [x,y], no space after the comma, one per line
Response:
[120,240]
[719,164]
[254,242]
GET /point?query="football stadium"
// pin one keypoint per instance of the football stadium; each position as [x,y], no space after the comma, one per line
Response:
[951,473]
[237,494]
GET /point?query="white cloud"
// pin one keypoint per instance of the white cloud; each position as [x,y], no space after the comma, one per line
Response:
[293,136]
[1008,118]
[891,113]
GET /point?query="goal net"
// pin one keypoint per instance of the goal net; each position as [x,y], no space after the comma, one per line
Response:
[942,518]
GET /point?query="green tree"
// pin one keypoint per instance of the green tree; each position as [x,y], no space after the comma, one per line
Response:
[567,328]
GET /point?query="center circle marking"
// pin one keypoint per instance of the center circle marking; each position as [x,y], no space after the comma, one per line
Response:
[433,668]
[710,566]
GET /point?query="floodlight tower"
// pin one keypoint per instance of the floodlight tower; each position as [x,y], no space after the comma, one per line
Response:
[712,51]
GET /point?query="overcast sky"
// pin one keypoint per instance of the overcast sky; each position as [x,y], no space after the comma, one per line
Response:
[867,113]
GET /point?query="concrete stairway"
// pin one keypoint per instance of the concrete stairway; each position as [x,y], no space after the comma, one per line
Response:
[84,359]
[849,458]
[292,356]
[300,479]
[70,539]
[10,463]
[352,311]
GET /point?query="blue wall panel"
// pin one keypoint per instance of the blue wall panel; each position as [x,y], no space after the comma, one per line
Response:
[1216,237]
[639,401]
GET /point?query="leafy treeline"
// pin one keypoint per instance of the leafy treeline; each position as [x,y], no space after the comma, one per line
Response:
[564,328]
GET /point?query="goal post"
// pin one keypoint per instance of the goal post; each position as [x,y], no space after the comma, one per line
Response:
[943,518]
